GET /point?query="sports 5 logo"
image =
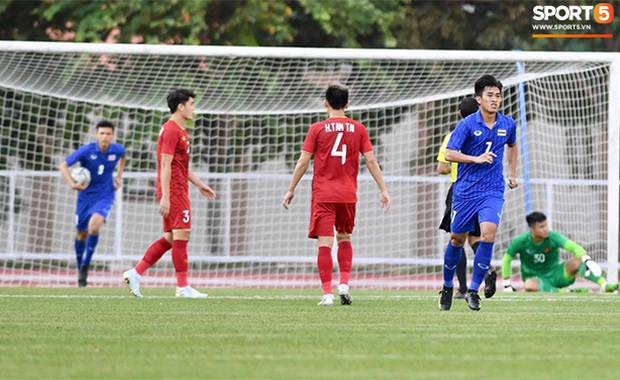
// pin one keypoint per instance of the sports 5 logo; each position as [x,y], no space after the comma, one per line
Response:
[602,13]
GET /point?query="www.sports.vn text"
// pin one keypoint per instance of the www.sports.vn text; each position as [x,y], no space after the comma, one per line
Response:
[561,27]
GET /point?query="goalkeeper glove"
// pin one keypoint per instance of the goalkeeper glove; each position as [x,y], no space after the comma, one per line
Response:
[508,286]
[591,266]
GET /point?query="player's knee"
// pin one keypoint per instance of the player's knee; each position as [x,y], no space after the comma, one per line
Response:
[572,265]
[531,285]
[457,240]
[341,236]
[95,223]
[473,240]
[488,237]
[181,234]
[488,231]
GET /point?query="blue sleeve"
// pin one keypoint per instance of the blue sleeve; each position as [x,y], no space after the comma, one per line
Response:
[76,156]
[513,132]
[121,150]
[458,136]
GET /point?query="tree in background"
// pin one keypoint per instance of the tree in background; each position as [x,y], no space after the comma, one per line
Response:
[407,24]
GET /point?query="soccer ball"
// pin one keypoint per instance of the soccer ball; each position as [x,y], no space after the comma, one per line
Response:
[81,175]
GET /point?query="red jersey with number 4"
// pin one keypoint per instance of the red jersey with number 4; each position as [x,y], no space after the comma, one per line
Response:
[336,144]
[174,141]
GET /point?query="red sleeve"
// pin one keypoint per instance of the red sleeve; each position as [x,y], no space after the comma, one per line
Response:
[310,142]
[169,141]
[366,145]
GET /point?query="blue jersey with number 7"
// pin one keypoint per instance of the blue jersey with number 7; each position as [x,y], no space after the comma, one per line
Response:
[473,137]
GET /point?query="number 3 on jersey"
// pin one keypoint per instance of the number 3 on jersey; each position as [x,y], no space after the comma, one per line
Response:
[342,153]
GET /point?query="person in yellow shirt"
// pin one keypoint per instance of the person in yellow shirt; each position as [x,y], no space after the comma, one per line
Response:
[467,107]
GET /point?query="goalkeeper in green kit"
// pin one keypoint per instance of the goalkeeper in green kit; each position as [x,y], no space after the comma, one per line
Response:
[541,268]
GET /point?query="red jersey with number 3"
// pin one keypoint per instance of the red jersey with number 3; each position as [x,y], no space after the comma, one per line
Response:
[174,141]
[336,144]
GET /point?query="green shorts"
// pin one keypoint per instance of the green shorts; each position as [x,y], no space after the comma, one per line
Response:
[557,277]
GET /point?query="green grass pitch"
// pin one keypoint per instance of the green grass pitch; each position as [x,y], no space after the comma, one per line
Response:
[281,334]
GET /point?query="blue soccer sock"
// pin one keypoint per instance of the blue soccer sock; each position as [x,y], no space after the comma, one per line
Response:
[79,246]
[451,259]
[482,261]
[91,244]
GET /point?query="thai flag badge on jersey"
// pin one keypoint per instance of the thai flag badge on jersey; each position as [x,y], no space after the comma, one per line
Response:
[501,132]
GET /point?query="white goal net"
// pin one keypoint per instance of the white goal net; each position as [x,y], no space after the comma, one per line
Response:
[254,106]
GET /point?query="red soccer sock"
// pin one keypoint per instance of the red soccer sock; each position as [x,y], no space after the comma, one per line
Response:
[345,261]
[325,264]
[152,255]
[179,260]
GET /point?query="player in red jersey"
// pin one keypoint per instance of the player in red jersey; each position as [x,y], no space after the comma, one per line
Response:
[336,144]
[173,177]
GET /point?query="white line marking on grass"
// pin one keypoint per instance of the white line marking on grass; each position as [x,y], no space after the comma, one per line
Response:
[558,298]
[413,297]
[65,296]
[232,297]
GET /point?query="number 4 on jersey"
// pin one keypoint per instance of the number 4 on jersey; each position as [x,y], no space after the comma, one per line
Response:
[342,153]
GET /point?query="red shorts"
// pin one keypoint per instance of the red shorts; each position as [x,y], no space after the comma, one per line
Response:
[325,216]
[180,215]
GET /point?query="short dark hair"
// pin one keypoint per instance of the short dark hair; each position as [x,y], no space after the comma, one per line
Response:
[535,217]
[104,124]
[178,96]
[337,95]
[486,81]
[468,106]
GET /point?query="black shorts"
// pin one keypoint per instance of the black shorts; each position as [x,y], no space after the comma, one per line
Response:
[445,222]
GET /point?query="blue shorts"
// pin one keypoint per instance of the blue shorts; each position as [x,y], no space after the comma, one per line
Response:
[464,213]
[84,210]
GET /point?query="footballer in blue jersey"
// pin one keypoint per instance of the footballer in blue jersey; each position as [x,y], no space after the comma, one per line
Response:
[472,137]
[477,145]
[94,200]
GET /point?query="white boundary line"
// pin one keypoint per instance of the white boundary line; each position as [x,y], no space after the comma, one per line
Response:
[583,297]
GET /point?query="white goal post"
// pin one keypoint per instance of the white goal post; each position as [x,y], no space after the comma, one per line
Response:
[254,106]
